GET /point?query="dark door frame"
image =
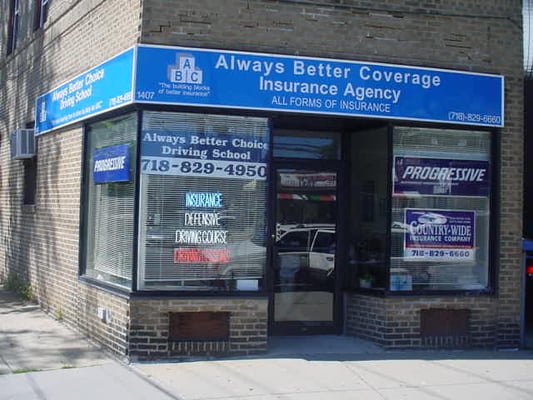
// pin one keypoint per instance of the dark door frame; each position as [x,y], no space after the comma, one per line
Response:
[303,328]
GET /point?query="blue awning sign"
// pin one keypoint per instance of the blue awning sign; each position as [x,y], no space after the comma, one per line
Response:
[267,82]
[215,78]
[103,88]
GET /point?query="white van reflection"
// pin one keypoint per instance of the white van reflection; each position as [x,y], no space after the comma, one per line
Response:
[305,253]
[247,261]
[246,255]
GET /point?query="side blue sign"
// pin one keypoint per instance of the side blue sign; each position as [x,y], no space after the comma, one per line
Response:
[112,164]
[101,89]
[440,177]
[199,77]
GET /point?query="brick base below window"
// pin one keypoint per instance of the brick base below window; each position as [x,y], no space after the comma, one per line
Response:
[395,322]
[151,327]
[187,349]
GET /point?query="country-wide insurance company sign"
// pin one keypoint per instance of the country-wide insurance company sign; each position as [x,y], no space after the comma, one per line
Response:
[215,78]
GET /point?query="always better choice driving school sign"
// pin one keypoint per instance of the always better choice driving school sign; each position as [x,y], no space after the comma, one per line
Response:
[101,89]
[215,78]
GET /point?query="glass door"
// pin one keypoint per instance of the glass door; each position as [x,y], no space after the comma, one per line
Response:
[305,247]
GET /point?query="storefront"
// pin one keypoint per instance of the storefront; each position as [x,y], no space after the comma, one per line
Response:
[231,196]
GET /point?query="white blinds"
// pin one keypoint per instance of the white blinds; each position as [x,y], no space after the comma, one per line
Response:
[203,201]
[110,215]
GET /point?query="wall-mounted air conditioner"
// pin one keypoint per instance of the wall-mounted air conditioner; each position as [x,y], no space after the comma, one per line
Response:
[22,144]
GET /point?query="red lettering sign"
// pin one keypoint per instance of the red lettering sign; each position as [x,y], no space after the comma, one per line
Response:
[211,256]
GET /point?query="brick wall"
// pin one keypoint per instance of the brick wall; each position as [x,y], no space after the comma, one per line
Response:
[394,322]
[40,243]
[366,318]
[112,331]
[464,35]
[150,327]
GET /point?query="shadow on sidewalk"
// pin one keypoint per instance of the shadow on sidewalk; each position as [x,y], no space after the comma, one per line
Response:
[347,348]
[31,340]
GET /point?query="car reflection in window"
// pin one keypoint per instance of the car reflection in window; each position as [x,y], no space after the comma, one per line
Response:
[306,255]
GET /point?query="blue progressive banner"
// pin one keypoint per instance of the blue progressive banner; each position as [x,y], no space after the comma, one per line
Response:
[112,164]
[101,89]
[201,77]
[439,235]
[440,177]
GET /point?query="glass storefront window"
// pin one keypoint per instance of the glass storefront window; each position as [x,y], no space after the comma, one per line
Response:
[203,189]
[202,217]
[316,145]
[368,193]
[440,210]
[110,181]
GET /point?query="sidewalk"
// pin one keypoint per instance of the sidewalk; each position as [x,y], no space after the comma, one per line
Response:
[318,375]
[40,358]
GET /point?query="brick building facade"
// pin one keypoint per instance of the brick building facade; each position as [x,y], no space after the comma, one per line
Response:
[44,240]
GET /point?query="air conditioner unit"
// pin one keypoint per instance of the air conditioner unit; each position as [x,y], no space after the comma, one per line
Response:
[22,144]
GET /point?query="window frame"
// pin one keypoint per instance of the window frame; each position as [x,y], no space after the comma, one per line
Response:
[41,13]
[30,181]
[84,209]
[357,256]
[135,291]
[493,209]
[13,26]
[29,191]
[140,271]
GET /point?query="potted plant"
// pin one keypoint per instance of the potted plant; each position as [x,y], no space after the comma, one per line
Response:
[366,280]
